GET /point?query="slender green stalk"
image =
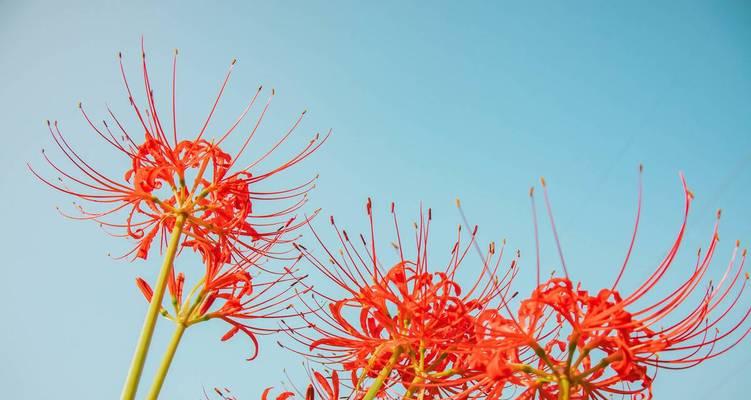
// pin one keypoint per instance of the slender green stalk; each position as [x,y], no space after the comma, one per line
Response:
[412,387]
[564,389]
[161,374]
[385,372]
[144,341]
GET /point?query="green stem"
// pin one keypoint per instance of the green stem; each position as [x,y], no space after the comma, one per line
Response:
[564,389]
[144,341]
[572,345]
[385,372]
[161,374]
[412,387]
[528,369]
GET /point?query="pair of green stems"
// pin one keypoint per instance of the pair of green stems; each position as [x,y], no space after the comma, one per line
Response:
[155,306]
[564,377]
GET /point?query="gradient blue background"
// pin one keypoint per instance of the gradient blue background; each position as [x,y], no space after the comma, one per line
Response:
[427,101]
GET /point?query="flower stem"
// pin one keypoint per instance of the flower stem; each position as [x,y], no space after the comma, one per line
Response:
[161,374]
[413,386]
[385,372]
[144,341]
[564,389]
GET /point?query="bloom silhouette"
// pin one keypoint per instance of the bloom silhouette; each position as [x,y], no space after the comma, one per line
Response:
[405,324]
[170,181]
[565,342]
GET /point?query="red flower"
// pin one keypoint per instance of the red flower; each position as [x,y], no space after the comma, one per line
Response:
[568,343]
[229,292]
[170,179]
[402,325]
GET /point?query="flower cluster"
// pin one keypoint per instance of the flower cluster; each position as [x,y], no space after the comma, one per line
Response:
[193,194]
[407,331]
[191,183]
[409,323]
[567,342]
[399,327]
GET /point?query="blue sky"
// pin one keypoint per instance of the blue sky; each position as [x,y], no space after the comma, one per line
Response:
[428,102]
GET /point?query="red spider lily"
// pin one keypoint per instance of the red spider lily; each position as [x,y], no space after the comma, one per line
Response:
[568,343]
[229,292]
[401,324]
[171,180]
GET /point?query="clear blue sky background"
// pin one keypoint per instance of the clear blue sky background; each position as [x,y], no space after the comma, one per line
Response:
[427,101]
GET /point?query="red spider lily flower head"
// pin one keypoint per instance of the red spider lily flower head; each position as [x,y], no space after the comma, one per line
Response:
[403,324]
[169,180]
[571,343]
[229,292]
